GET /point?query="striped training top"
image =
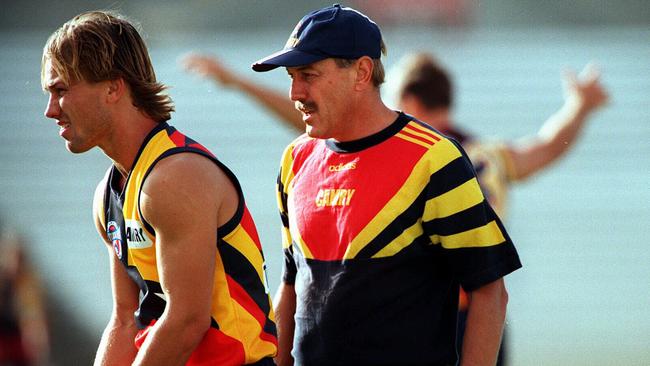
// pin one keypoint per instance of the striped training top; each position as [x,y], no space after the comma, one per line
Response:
[379,235]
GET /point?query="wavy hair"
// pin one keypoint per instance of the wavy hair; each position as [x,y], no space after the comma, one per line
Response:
[102,45]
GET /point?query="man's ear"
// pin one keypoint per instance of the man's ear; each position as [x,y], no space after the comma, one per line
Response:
[116,89]
[364,66]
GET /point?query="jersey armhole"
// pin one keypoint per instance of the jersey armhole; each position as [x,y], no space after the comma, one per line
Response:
[222,230]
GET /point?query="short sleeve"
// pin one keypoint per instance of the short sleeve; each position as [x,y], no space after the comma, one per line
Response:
[460,219]
[282,192]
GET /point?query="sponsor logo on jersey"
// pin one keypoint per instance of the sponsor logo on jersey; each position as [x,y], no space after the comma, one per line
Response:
[341,167]
[136,237]
[114,236]
[334,197]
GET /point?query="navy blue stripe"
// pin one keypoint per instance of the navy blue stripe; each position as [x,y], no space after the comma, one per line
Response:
[269,327]
[495,261]
[452,175]
[447,178]
[372,140]
[283,201]
[289,271]
[242,271]
[470,218]
[151,306]
[402,222]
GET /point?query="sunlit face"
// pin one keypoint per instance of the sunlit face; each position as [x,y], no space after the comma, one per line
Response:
[78,109]
[322,92]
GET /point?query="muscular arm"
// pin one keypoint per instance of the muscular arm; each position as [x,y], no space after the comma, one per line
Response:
[583,96]
[276,102]
[285,308]
[184,199]
[116,346]
[484,327]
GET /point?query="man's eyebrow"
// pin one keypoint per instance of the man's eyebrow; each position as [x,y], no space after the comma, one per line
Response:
[54,84]
[300,68]
[49,86]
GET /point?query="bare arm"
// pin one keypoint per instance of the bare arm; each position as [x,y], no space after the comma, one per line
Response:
[484,327]
[116,346]
[583,96]
[285,308]
[276,102]
[185,214]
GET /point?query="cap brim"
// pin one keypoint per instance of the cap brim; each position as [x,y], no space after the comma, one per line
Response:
[286,58]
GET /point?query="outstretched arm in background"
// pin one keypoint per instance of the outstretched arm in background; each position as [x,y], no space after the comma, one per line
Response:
[276,102]
[583,95]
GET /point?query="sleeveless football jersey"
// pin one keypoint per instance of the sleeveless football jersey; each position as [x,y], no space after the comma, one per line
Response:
[242,326]
[379,235]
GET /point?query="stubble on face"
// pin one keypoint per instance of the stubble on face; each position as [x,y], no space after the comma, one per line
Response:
[97,128]
[88,118]
[78,109]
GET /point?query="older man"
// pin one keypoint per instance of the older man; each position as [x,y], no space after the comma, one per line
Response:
[383,217]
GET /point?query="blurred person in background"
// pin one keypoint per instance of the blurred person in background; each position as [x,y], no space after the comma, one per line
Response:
[186,264]
[24,334]
[425,90]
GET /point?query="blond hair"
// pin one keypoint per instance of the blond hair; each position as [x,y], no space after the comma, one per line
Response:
[102,45]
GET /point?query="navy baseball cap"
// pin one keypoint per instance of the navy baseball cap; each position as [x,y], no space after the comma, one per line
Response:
[331,32]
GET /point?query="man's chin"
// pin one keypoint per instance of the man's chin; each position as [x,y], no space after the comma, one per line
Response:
[311,132]
[317,134]
[76,149]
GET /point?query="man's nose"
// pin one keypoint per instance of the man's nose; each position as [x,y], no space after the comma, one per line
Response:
[297,91]
[52,110]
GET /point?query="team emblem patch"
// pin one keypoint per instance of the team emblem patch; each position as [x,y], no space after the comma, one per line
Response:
[113,233]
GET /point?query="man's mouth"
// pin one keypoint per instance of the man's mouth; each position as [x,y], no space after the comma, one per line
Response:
[306,108]
[63,126]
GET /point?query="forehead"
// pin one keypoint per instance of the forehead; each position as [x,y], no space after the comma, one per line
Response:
[50,76]
[321,65]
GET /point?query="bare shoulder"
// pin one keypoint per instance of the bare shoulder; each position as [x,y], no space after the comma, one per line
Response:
[186,184]
[186,170]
